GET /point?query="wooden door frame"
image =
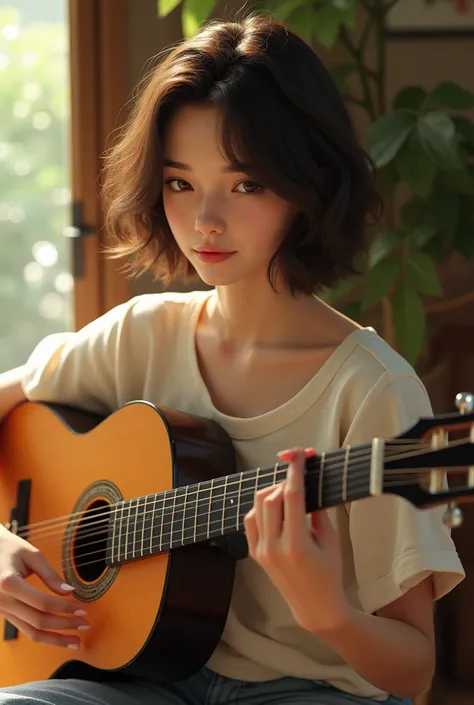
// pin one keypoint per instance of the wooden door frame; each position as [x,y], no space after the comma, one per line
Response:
[99,91]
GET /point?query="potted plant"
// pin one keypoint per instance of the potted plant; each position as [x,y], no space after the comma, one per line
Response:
[423,146]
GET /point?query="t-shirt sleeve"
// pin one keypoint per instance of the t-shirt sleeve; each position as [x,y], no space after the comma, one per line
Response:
[395,544]
[78,368]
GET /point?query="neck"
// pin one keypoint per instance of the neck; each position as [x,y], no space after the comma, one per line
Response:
[246,315]
[214,508]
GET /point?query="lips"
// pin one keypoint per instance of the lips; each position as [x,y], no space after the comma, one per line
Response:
[213,251]
[213,255]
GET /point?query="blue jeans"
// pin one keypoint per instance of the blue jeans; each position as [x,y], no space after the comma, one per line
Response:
[204,688]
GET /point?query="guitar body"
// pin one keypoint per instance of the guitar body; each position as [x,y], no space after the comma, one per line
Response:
[161,615]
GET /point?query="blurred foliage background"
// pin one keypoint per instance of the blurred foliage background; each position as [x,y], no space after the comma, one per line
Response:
[35,280]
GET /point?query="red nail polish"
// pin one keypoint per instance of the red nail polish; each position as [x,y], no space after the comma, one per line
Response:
[310,452]
[287,455]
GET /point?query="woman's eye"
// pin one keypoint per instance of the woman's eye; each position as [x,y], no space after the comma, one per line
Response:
[177,185]
[249,187]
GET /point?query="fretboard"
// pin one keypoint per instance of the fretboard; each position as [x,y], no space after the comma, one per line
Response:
[150,525]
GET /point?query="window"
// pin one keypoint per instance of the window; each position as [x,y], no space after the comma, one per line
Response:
[36,283]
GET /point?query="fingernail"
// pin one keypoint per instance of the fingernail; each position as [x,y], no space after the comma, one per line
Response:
[310,452]
[80,613]
[73,646]
[65,586]
[286,454]
[83,627]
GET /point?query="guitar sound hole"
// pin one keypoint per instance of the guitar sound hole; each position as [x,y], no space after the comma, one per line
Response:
[90,541]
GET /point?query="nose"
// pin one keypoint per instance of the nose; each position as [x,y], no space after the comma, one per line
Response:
[209,222]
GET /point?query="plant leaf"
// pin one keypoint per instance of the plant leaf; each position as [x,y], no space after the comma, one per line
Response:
[422,273]
[465,128]
[388,133]
[384,245]
[451,95]
[301,22]
[409,321]
[380,280]
[349,8]
[437,135]
[353,310]
[415,167]
[412,212]
[332,294]
[421,235]
[409,98]
[387,179]
[326,24]
[283,11]
[441,211]
[340,73]
[194,13]
[166,6]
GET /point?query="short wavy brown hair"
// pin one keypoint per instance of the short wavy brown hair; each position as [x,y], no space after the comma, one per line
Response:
[282,115]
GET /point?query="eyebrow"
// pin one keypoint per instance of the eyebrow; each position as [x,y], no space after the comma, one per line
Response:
[185,167]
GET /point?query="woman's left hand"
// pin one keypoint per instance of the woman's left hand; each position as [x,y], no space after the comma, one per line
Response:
[302,560]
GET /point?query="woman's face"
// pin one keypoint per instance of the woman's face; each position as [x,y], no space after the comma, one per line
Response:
[227,225]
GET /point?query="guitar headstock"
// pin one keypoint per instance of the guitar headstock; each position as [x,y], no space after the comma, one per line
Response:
[417,462]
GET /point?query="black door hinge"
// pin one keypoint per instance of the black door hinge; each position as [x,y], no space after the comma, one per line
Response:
[81,231]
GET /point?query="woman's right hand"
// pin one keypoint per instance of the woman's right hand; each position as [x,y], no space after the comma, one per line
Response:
[30,610]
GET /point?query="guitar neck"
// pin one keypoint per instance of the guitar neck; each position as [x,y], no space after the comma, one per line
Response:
[156,523]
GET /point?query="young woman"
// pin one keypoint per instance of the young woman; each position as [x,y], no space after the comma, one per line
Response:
[240,164]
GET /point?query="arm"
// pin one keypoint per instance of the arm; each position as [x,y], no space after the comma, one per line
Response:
[411,562]
[403,559]
[398,653]
[11,391]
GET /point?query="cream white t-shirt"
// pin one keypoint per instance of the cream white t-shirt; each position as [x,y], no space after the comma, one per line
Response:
[145,349]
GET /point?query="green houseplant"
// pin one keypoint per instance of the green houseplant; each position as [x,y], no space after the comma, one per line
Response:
[423,146]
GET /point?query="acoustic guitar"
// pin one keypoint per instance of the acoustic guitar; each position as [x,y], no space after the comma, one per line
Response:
[142,512]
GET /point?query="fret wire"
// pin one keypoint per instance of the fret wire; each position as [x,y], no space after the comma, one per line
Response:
[114,527]
[142,550]
[320,483]
[127,532]
[153,517]
[182,501]
[239,493]
[207,526]
[224,506]
[162,522]
[184,514]
[210,507]
[345,473]
[134,523]
[172,517]
[196,510]
[119,532]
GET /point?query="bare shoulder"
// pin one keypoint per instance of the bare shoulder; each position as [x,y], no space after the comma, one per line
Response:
[330,326]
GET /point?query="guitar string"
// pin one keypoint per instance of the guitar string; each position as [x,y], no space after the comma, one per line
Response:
[334,473]
[249,476]
[355,453]
[130,554]
[164,511]
[165,536]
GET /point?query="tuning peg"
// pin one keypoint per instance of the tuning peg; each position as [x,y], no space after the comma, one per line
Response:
[465,402]
[452,517]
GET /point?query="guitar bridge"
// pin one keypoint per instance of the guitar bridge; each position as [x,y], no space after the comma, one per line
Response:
[12,526]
